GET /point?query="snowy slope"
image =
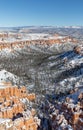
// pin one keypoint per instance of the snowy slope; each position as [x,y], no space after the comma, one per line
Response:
[71,75]
[7,76]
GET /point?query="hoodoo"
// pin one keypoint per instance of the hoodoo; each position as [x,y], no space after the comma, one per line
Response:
[14,112]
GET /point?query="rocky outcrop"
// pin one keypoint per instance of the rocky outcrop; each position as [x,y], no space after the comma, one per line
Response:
[79,49]
[14,112]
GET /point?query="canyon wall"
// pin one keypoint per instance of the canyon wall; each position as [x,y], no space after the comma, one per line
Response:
[48,42]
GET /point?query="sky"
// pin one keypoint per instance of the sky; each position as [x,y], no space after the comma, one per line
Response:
[41,13]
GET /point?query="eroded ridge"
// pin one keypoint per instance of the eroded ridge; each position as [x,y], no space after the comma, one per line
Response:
[13,41]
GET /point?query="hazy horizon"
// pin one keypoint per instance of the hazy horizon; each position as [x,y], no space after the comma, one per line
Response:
[41,26]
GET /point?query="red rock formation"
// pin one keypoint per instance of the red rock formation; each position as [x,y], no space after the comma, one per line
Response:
[12,103]
[47,42]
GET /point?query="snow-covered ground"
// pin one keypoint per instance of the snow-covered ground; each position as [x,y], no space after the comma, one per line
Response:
[6,76]
[29,36]
[72,69]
